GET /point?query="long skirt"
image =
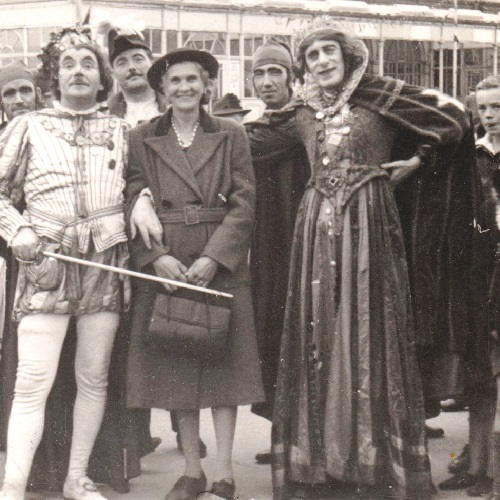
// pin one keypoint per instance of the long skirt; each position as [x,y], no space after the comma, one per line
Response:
[349,400]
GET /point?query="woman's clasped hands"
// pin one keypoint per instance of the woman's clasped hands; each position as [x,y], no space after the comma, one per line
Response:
[201,272]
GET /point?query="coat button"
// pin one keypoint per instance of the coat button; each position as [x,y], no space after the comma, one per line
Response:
[165,203]
[320,115]
[325,160]
[112,164]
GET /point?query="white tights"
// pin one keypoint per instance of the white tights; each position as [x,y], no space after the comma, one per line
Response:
[40,339]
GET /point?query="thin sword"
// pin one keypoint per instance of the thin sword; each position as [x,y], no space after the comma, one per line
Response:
[134,274]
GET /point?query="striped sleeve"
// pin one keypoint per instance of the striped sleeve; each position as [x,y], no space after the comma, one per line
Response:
[13,164]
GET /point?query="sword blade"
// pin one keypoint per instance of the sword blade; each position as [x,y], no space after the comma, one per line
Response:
[134,274]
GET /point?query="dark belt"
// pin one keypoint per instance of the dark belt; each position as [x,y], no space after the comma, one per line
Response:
[192,214]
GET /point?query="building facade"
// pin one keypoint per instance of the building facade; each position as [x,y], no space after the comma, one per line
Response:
[428,43]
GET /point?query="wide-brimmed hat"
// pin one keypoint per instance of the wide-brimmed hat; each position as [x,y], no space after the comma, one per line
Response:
[229,104]
[158,69]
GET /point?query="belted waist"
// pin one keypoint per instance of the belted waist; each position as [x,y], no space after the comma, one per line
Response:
[191,215]
[102,212]
[105,226]
[344,180]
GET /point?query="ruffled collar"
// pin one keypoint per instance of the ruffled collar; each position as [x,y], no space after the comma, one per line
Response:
[311,94]
[71,112]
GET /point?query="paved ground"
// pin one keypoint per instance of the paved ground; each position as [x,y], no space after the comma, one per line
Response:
[161,469]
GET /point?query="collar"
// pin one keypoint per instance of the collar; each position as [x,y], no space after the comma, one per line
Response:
[486,144]
[59,108]
[207,123]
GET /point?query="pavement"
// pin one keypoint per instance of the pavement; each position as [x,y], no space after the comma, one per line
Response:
[161,469]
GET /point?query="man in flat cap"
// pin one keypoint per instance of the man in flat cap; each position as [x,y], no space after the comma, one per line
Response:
[18,96]
[280,186]
[130,59]
[18,93]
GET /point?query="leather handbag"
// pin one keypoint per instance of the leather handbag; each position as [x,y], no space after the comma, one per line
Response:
[190,324]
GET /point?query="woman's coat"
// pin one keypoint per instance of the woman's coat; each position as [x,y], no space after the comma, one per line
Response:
[214,172]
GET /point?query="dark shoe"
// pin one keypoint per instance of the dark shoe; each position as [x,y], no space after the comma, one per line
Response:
[264,457]
[483,485]
[458,481]
[434,432]
[224,488]
[203,446]
[187,488]
[461,463]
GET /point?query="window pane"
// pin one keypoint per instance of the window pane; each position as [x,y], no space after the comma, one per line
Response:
[248,79]
[171,40]
[34,39]
[156,41]
[235,45]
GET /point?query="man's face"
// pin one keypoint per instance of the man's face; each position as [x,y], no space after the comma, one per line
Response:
[131,68]
[18,97]
[488,105]
[79,78]
[270,83]
[325,61]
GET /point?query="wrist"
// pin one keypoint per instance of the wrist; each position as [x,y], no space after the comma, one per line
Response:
[147,194]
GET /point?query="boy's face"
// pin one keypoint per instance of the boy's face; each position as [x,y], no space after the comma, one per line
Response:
[488,105]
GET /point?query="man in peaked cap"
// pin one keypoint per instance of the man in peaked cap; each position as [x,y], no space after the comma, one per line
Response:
[130,59]
[280,186]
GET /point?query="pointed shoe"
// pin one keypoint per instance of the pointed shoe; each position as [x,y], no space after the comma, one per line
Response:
[81,489]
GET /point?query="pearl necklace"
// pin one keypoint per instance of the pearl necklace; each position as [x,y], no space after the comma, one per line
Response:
[185,145]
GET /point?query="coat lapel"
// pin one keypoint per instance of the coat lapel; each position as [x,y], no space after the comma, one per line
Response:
[171,154]
[204,147]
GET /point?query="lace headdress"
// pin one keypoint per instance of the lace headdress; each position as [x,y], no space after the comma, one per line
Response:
[352,48]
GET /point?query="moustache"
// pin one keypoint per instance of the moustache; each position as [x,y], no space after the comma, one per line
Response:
[135,73]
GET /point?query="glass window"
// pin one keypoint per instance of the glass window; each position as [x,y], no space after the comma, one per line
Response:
[248,74]
[156,41]
[234,44]
[171,40]
[34,39]
[251,43]
[212,42]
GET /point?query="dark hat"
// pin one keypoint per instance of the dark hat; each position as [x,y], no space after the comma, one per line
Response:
[16,70]
[120,43]
[229,104]
[272,53]
[158,69]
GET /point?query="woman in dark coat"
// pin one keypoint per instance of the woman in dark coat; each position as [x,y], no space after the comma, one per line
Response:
[199,174]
